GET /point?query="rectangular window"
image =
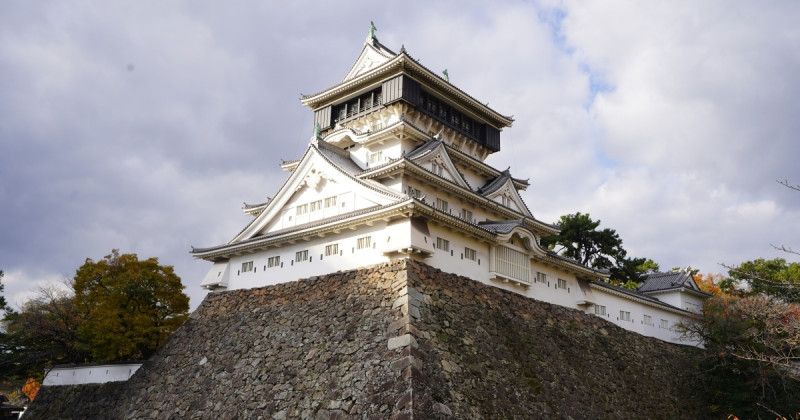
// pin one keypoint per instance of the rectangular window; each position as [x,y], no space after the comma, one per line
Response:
[301,256]
[376,157]
[506,201]
[512,263]
[316,205]
[247,266]
[470,254]
[466,215]
[442,244]
[364,242]
[562,284]
[273,262]
[624,316]
[599,310]
[664,323]
[302,209]
[441,205]
[437,169]
[331,249]
[541,277]
[413,192]
[330,202]
[647,319]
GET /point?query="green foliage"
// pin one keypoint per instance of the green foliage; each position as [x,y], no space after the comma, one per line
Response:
[581,239]
[773,277]
[130,306]
[3,303]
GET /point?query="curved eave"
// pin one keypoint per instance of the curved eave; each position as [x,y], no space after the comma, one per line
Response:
[580,271]
[699,293]
[406,208]
[318,228]
[377,187]
[403,164]
[403,63]
[482,167]
[660,305]
[380,49]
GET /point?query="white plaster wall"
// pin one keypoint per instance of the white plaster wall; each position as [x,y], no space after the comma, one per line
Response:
[346,201]
[614,304]
[96,374]
[691,303]
[318,263]
[473,179]
[681,300]
[672,298]
[549,291]
[454,261]
[395,184]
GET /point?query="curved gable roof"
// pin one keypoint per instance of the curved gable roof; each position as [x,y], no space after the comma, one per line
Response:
[668,280]
[434,149]
[318,156]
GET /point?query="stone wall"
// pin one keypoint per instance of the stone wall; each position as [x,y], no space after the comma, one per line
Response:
[400,340]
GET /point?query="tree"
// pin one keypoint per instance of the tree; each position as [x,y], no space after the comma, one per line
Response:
[31,388]
[582,240]
[753,350]
[710,283]
[3,303]
[42,333]
[751,330]
[773,277]
[130,307]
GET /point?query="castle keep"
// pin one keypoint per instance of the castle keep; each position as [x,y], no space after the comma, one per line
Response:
[395,169]
[396,275]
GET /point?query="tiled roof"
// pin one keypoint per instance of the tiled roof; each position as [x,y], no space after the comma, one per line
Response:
[500,226]
[343,163]
[289,230]
[401,59]
[668,280]
[495,184]
[424,148]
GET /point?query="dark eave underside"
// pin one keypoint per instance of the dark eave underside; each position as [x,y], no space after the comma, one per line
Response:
[403,63]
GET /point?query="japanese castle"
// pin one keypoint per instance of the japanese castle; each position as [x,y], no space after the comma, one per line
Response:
[395,169]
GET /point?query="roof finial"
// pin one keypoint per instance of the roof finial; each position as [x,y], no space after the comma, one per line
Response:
[372,30]
[446,76]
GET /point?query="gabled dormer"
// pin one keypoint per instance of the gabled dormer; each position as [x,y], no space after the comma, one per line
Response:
[372,55]
[503,191]
[677,288]
[434,157]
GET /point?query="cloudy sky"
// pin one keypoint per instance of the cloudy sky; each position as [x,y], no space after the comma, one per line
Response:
[144,125]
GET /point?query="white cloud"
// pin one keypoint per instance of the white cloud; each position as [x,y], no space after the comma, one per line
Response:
[144,126]
[21,286]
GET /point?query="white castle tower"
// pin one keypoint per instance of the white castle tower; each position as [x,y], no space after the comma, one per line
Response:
[396,169]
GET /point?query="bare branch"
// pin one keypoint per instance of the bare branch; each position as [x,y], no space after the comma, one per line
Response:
[786,249]
[755,276]
[786,184]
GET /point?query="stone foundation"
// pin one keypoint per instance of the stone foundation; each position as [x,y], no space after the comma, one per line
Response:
[399,341]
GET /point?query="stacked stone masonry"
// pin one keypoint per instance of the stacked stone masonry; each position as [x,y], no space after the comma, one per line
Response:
[400,340]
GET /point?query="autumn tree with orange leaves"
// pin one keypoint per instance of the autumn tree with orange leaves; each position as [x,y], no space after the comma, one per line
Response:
[31,388]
